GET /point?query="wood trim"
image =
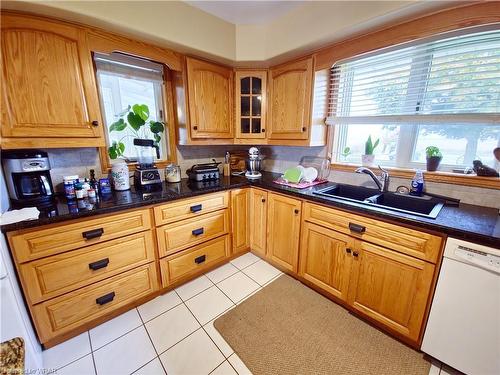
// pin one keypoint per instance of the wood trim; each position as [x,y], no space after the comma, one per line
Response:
[9,143]
[458,17]
[439,177]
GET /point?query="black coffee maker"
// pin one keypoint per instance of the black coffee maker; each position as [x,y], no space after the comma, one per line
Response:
[27,174]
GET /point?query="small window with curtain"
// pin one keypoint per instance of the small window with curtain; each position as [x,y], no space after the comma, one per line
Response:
[442,92]
[132,102]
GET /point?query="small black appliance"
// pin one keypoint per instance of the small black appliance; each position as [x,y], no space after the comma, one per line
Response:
[27,174]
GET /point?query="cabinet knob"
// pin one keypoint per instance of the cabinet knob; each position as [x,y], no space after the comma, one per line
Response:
[348,251]
[355,253]
[304,128]
[263,200]
[263,130]
[195,127]
[296,211]
[95,123]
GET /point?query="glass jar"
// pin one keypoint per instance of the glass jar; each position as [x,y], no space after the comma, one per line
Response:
[172,173]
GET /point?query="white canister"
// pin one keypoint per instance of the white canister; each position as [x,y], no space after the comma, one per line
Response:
[120,175]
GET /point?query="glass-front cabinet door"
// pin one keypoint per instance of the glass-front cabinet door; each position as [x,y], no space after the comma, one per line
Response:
[250,96]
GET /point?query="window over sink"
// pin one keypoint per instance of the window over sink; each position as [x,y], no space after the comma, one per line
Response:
[125,82]
[442,92]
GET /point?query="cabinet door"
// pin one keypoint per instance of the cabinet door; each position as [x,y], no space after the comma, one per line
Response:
[48,84]
[284,230]
[240,215]
[210,93]
[391,288]
[258,221]
[290,88]
[250,94]
[325,259]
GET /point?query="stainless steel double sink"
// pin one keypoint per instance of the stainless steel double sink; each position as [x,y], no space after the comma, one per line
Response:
[421,206]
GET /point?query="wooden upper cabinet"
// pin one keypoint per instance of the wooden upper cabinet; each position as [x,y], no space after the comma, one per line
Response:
[391,288]
[48,85]
[283,218]
[290,88]
[325,259]
[210,99]
[250,98]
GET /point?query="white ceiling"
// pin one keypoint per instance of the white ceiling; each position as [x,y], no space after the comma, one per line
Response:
[246,12]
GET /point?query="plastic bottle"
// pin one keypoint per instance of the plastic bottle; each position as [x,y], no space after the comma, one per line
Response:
[417,184]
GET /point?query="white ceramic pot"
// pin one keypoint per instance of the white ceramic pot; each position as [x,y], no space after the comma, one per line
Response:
[367,160]
[120,175]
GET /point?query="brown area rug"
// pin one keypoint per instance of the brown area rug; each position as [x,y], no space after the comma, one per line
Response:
[288,328]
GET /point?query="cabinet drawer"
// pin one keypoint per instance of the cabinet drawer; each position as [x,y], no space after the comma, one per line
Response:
[38,243]
[187,208]
[62,314]
[181,235]
[49,277]
[193,260]
[412,242]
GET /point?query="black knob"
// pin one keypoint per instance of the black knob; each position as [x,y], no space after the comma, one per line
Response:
[263,130]
[355,253]
[195,128]
[95,123]
[263,200]
[296,211]
[304,128]
[348,251]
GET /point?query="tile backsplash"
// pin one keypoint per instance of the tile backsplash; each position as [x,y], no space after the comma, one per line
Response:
[277,158]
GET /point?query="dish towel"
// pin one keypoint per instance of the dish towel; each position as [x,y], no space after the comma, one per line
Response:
[14,216]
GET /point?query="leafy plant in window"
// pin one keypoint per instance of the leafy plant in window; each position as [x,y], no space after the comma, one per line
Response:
[368,157]
[433,156]
[136,119]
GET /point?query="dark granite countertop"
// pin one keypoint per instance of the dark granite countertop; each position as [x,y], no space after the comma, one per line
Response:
[467,222]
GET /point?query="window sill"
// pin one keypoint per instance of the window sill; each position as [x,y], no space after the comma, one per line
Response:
[439,177]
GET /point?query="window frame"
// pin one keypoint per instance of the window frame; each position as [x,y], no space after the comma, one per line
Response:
[168,108]
[339,132]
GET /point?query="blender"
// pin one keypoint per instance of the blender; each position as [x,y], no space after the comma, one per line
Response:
[253,163]
[146,175]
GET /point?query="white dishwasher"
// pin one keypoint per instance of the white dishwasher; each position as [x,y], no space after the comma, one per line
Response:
[463,330]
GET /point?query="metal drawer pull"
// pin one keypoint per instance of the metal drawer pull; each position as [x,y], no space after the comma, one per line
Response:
[196,208]
[200,259]
[355,253]
[357,228]
[99,264]
[197,232]
[105,298]
[94,233]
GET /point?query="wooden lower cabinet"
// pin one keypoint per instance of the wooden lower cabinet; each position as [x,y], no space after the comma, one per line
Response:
[240,218]
[391,288]
[258,221]
[283,219]
[71,311]
[193,261]
[325,259]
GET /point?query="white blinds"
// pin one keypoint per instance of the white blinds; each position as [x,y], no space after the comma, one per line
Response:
[456,79]
[129,67]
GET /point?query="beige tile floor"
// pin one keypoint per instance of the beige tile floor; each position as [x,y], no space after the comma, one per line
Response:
[174,333]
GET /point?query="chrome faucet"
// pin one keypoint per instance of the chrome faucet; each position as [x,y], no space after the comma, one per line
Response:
[382,181]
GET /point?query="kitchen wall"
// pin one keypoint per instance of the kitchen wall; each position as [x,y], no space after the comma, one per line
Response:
[278,158]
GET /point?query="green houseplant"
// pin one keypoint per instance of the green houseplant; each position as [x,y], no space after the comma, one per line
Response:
[368,157]
[134,119]
[433,157]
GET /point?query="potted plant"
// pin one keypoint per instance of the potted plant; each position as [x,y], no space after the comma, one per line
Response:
[135,119]
[433,156]
[368,157]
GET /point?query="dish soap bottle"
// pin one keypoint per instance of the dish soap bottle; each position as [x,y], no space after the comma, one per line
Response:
[417,184]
